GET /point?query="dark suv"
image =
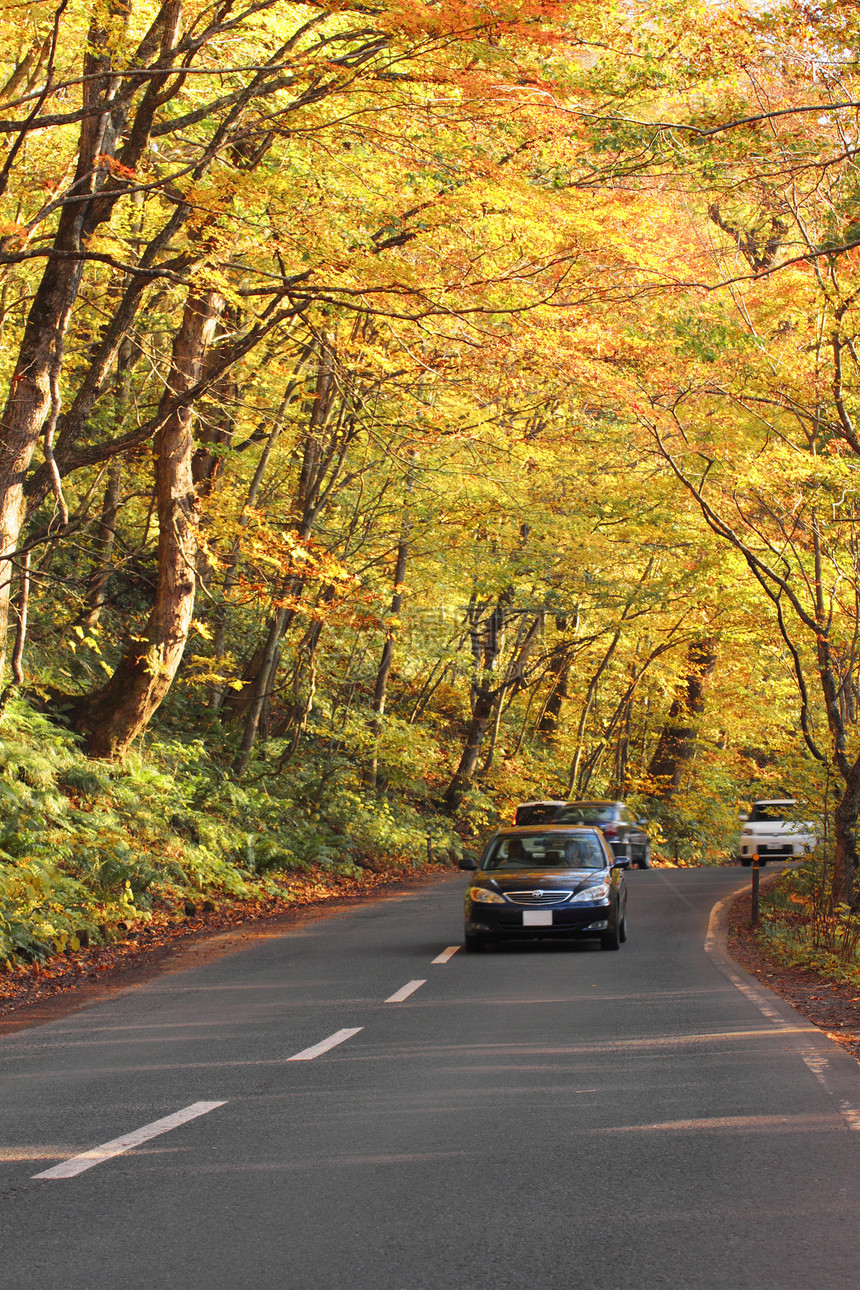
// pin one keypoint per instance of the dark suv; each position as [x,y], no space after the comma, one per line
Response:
[624,833]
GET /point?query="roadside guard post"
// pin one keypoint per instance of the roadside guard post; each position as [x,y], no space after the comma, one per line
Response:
[755,873]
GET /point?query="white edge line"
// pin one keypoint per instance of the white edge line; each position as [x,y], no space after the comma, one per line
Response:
[446,954]
[87,1159]
[810,1054]
[405,991]
[308,1054]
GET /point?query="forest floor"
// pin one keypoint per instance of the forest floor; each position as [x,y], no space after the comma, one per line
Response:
[44,992]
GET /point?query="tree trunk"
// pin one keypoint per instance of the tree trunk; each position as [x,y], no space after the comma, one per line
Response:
[34,390]
[485,696]
[323,454]
[845,831]
[482,714]
[380,688]
[114,716]
[548,723]
[105,539]
[677,743]
[21,613]
[220,640]
[514,681]
[574,779]
[261,686]
[560,664]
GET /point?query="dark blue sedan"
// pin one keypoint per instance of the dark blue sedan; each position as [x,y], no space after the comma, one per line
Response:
[550,882]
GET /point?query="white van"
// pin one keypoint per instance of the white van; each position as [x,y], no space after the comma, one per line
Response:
[772,829]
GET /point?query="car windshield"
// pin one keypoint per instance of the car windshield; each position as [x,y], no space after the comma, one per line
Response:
[588,813]
[542,850]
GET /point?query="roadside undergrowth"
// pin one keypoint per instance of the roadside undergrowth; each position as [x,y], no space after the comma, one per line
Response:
[91,852]
[798,928]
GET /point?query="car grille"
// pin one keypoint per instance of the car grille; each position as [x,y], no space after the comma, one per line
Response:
[539,897]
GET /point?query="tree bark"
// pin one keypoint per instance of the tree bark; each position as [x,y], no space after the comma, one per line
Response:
[574,776]
[105,540]
[114,716]
[34,390]
[561,661]
[677,743]
[231,572]
[323,454]
[485,696]
[380,689]
[22,612]
[261,687]
[482,714]
[842,885]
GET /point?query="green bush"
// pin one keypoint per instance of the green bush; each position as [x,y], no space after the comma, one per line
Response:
[84,845]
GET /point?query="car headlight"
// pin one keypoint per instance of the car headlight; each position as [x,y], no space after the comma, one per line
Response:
[483,896]
[591,895]
[747,831]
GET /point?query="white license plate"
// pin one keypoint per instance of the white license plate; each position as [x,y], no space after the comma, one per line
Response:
[537,918]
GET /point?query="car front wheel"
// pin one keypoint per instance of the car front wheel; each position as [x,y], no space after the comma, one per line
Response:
[611,940]
[473,944]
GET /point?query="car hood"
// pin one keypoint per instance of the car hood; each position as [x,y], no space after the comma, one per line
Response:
[548,878]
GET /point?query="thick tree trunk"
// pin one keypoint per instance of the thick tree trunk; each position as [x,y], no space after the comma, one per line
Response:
[34,392]
[482,715]
[677,743]
[548,723]
[113,717]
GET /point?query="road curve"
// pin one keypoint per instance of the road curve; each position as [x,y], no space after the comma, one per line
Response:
[356,1106]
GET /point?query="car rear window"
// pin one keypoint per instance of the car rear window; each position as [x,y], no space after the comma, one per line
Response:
[530,851]
[536,813]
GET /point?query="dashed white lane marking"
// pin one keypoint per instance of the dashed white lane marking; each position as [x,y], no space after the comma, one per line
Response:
[446,954]
[851,1114]
[308,1054]
[405,991]
[87,1159]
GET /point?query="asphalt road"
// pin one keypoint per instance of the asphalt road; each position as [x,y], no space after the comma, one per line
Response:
[539,1116]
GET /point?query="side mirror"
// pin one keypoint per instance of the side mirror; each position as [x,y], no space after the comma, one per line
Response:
[468,862]
[622,862]
[643,822]
[743,817]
